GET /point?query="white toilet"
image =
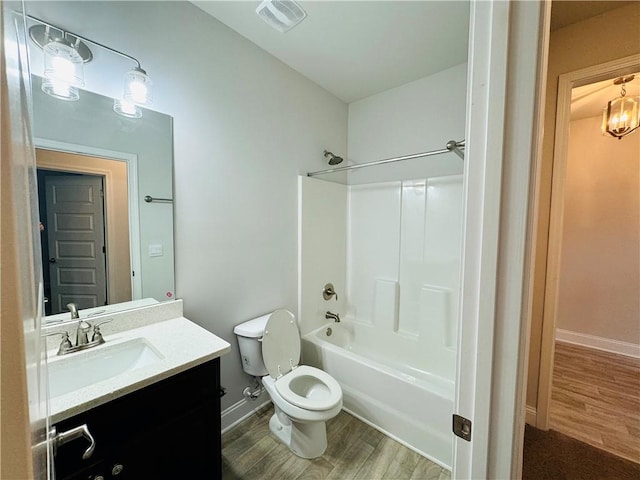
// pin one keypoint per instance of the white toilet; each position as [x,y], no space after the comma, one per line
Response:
[304,397]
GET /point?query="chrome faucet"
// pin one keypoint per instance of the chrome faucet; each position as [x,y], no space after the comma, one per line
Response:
[73,308]
[334,316]
[82,338]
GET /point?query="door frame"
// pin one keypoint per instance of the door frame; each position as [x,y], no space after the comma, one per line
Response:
[132,185]
[507,77]
[566,83]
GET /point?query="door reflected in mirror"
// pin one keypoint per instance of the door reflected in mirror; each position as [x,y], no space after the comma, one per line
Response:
[83,203]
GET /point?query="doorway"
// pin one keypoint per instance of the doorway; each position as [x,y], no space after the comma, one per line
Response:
[589,379]
[595,393]
[116,256]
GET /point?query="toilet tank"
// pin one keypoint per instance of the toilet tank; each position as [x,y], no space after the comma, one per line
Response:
[250,342]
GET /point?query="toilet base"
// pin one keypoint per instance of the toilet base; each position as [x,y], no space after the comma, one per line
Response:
[306,440]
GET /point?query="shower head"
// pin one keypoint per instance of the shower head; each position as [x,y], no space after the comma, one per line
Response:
[333,160]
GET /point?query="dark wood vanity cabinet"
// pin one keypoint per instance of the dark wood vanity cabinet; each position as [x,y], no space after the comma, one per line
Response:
[167,430]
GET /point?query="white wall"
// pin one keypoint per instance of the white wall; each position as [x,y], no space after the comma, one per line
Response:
[245,126]
[598,293]
[420,116]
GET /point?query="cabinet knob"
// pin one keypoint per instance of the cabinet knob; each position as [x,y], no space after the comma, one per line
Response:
[117,469]
[98,477]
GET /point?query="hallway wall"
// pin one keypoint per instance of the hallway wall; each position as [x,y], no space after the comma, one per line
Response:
[600,259]
[576,46]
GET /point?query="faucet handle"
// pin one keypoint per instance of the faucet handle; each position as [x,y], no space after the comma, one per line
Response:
[65,343]
[97,334]
[329,292]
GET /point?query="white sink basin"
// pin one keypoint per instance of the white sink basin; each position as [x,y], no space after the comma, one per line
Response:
[87,367]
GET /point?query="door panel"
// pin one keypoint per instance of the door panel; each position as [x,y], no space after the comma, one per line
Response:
[75,232]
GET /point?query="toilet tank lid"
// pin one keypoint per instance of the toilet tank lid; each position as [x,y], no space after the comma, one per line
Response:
[252,328]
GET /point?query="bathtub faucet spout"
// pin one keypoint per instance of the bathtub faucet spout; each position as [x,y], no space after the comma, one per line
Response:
[334,316]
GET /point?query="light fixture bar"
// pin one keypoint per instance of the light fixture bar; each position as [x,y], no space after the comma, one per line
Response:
[66,32]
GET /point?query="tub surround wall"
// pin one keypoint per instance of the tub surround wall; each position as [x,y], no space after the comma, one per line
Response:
[392,251]
[322,250]
[403,273]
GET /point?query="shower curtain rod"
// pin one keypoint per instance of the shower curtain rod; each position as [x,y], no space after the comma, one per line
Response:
[452,146]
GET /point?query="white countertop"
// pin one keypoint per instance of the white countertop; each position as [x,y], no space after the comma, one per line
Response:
[181,343]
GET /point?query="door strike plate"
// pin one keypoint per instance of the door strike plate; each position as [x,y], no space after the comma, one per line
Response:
[462,427]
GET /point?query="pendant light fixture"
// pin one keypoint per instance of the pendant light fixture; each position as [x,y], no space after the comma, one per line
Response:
[621,116]
[65,54]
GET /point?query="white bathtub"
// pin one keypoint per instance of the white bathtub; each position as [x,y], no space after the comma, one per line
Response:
[406,403]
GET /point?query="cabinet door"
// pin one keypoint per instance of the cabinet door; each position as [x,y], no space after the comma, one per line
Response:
[167,430]
[187,447]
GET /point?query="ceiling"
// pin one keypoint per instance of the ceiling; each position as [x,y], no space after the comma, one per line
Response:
[590,100]
[567,12]
[355,49]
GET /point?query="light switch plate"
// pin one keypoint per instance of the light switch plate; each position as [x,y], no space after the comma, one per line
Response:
[155,250]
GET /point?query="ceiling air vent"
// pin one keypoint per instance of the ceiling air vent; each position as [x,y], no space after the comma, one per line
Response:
[282,15]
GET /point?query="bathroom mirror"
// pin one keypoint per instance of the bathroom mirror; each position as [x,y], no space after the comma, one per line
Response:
[104,247]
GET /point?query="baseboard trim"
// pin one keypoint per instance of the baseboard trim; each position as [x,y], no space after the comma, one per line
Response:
[240,411]
[531,416]
[598,343]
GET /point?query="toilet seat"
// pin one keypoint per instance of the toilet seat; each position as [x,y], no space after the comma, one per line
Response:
[302,386]
[309,388]
[281,343]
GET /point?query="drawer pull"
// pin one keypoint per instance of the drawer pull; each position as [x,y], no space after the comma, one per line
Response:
[64,437]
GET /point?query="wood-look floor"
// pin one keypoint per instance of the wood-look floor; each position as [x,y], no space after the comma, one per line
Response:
[595,398]
[355,451]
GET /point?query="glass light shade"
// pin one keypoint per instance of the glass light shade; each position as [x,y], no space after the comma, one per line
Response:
[126,109]
[138,87]
[621,116]
[63,63]
[60,90]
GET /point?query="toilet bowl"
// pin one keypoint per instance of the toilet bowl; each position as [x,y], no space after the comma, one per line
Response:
[304,397]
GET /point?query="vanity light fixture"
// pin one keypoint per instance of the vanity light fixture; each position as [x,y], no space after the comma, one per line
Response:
[621,116]
[126,108]
[65,54]
[64,58]
[137,87]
